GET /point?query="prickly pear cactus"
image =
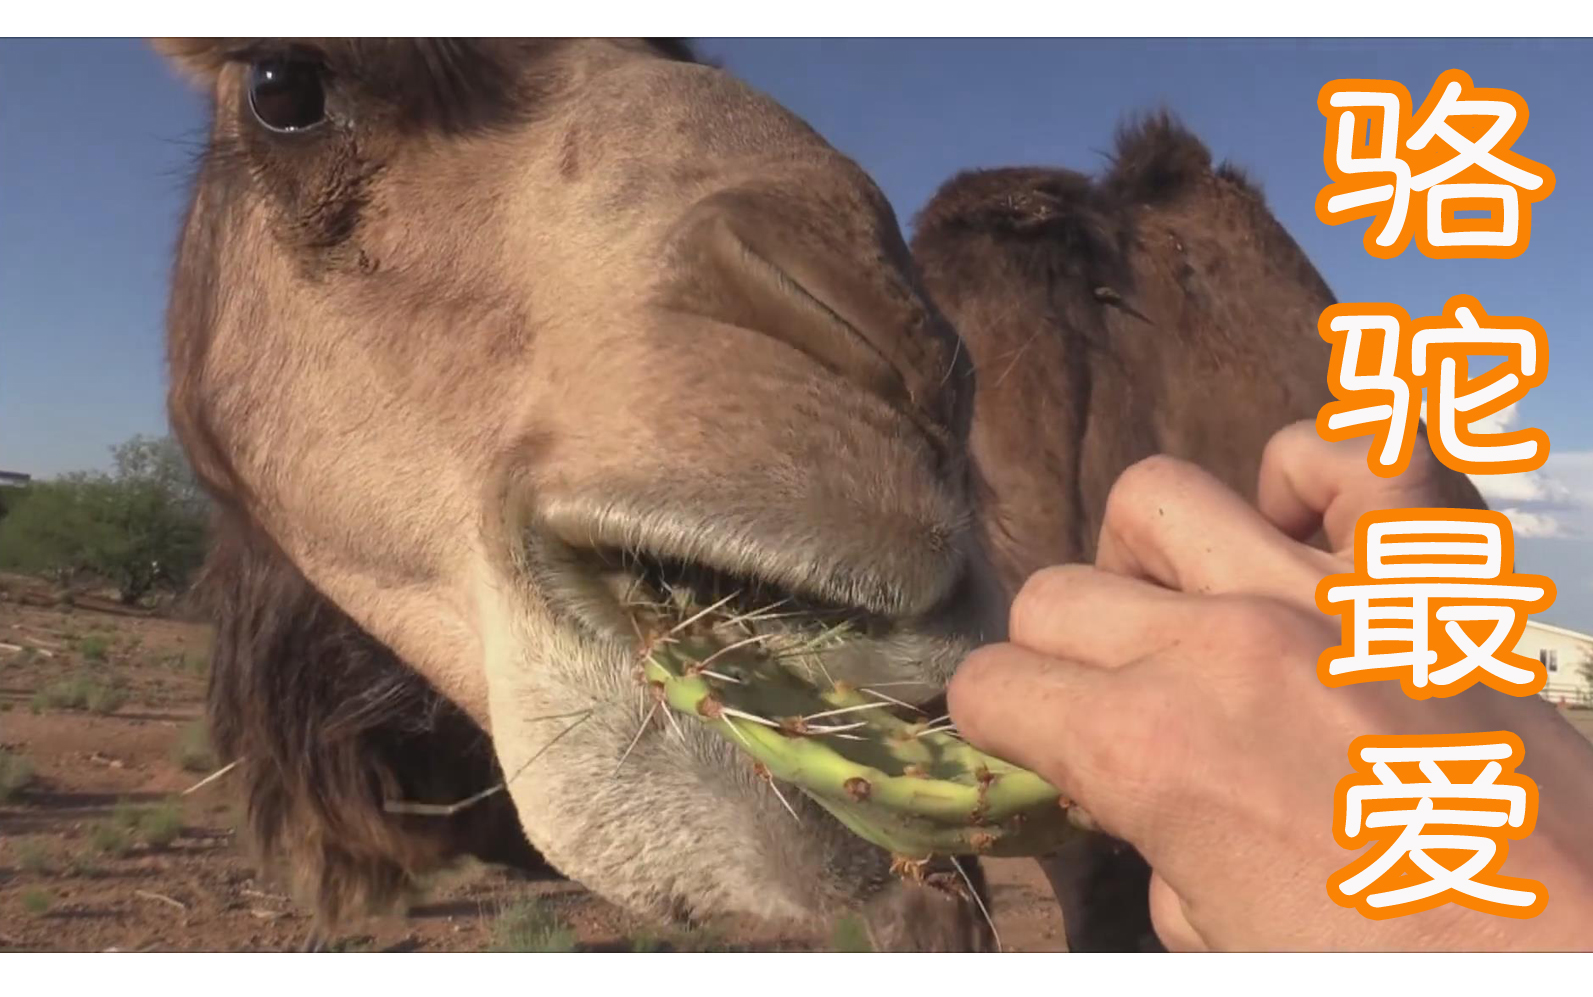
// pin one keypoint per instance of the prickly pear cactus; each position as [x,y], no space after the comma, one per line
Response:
[913,788]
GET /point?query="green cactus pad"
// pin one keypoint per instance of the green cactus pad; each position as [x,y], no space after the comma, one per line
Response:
[915,791]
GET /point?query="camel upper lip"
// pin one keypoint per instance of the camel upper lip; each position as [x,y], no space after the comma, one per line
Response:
[785,560]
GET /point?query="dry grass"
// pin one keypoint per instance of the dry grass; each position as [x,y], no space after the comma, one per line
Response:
[531,926]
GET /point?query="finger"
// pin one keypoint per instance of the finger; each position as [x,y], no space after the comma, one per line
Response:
[1171,921]
[1307,484]
[1097,618]
[1169,522]
[1060,719]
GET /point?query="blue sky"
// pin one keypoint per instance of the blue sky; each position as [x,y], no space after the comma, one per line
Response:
[100,136]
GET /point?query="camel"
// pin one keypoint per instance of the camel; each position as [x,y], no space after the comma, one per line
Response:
[468,339]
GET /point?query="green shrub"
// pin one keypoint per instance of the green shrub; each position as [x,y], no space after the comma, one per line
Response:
[80,692]
[108,838]
[126,815]
[155,824]
[33,857]
[36,901]
[192,750]
[94,647]
[16,773]
[186,663]
[159,825]
[61,695]
[103,698]
[529,926]
[81,865]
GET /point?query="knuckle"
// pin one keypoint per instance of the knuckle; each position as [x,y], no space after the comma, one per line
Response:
[1138,492]
[1254,629]
[1035,606]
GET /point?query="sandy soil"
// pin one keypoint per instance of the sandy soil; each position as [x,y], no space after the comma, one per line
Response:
[74,878]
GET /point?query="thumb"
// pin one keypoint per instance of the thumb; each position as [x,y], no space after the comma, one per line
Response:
[1057,718]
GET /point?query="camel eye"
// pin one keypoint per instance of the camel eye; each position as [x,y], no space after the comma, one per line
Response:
[287,95]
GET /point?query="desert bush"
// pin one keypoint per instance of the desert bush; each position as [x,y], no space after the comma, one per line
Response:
[36,901]
[103,698]
[94,647]
[155,824]
[160,824]
[109,838]
[81,865]
[33,857]
[80,692]
[193,750]
[187,664]
[16,773]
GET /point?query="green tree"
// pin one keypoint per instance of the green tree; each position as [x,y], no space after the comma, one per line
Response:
[140,527]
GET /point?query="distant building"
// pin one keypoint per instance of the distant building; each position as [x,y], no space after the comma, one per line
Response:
[1562,652]
[14,479]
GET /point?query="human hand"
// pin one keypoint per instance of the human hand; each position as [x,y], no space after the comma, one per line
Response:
[1171,691]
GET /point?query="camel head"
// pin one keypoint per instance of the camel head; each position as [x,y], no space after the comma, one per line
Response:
[479,344]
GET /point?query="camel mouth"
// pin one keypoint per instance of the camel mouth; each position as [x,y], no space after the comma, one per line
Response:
[657,593]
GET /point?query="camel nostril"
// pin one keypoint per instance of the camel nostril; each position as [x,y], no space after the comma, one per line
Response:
[717,274]
[845,298]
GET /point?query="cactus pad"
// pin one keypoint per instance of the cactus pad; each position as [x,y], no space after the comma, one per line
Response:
[907,785]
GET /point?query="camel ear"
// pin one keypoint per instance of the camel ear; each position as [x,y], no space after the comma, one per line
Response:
[199,60]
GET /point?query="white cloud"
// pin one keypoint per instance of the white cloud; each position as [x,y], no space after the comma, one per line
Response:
[1526,486]
[1556,500]
[1533,524]
[1498,422]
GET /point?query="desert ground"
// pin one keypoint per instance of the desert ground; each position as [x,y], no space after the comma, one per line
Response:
[101,849]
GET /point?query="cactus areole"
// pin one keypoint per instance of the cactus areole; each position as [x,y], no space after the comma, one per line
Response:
[909,786]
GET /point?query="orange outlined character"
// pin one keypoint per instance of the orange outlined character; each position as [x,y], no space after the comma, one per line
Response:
[1382,399]
[1384,364]
[1431,573]
[1486,805]
[1417,171]
[1440,348]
